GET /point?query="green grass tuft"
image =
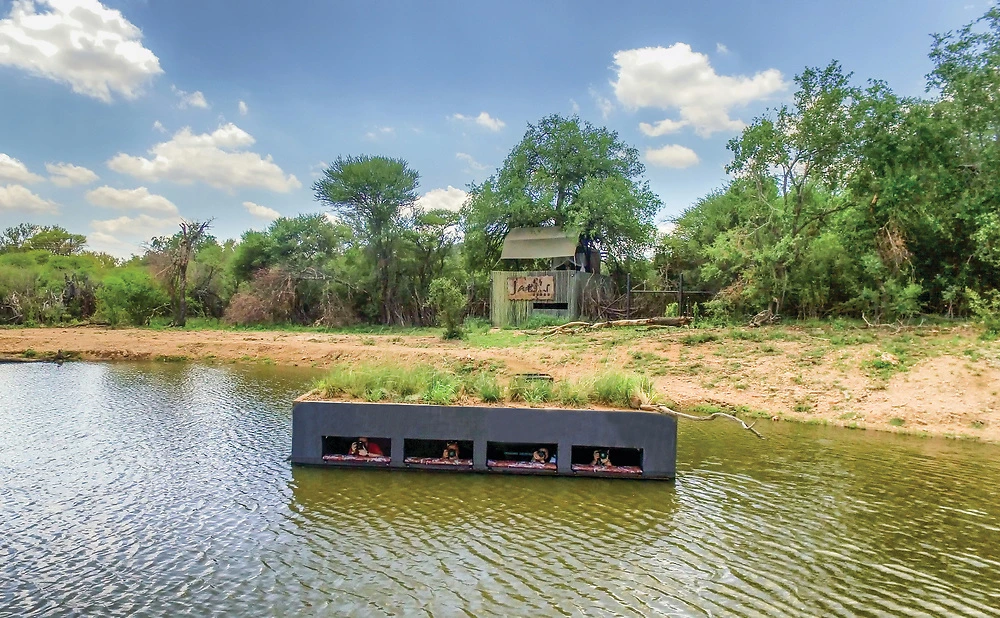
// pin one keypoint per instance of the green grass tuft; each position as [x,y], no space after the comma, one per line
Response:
[617,389]
[531,391]
[696,338]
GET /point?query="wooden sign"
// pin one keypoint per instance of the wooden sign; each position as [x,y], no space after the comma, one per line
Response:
[531,288]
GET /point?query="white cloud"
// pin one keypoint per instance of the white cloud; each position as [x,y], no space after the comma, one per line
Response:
[666,227]
[380,132]
[470,161]
[662,127]
[124,236]
[677,78]
[447,199]
[190,99]
[574,106]
[131,199]
[13,170]
[19,197]
[142,227]
[158,126]
[82,43]
[603,103]
[722,49]
[316,170]
[671,155]
[261,212]
[244,109]
[69,175]
[219,159]
[100,242]
[484,120]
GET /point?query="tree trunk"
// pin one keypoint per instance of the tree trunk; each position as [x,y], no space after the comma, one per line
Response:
[181,318]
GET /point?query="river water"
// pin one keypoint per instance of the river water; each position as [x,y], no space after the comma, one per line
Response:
[164,490]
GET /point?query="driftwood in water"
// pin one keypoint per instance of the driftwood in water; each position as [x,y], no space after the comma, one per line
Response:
[694,417]
[575,327]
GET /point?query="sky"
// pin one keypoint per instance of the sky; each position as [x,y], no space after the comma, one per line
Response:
[120,117]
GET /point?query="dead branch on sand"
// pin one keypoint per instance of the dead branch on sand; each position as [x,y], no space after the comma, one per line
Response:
[575,327]
[693,417]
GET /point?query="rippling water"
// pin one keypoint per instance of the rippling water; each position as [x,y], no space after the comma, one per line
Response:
[158,490]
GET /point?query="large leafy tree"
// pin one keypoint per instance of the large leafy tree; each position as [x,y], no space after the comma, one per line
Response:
[375,197]
[568,173]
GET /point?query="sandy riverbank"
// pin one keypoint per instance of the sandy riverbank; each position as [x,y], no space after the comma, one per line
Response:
[938,381]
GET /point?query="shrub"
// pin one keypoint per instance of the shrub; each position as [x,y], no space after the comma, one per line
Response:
[986,308]
[531,390]
[486,387]
[621,389]
[130,296]
[573,394]
[270,298]
[449,303]
[441,390]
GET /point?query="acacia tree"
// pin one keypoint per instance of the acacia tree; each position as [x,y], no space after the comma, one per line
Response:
[52,238]
[375,197]
[568,173]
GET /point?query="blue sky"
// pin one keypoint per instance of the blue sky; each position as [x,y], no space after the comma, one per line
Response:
[119,117]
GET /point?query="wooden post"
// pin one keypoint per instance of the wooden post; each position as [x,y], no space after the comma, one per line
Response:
[628,295]
[680,294]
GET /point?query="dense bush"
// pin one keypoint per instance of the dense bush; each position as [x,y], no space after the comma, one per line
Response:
[130,296]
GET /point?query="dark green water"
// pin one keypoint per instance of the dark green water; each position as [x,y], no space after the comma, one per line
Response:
[163,490]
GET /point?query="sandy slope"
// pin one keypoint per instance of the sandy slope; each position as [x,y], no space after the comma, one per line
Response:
[948,390]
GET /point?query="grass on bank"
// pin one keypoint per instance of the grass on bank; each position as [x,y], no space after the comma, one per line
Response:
[422,383]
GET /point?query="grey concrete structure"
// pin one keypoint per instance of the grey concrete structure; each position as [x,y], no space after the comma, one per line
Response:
[655,434]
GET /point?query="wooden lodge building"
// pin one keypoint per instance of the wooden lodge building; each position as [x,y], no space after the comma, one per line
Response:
[574,271]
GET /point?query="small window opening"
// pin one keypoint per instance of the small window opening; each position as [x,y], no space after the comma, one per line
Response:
[556,306]
[521,456]
[438,452]
[356,449]
[607,460]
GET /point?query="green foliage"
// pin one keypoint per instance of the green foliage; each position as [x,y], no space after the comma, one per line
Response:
[573,394]
[50,238]
[373,196]
[621,389]
[986,308]
[486,386]
[130,297]
[449,304]
[530,390]
[698,338]
[396,381]
[567,173]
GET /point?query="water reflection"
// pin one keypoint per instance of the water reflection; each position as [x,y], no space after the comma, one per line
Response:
[154,490]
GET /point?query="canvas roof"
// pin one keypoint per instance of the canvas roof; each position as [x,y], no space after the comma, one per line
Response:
[539,242]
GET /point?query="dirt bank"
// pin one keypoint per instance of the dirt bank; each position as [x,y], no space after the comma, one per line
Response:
[939,381]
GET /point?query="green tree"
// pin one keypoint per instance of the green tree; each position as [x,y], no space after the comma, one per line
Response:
[374,196]
[51,238]
[449,303]
[567,173]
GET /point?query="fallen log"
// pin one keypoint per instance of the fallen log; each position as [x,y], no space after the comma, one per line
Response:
[658,322]
[693,417]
